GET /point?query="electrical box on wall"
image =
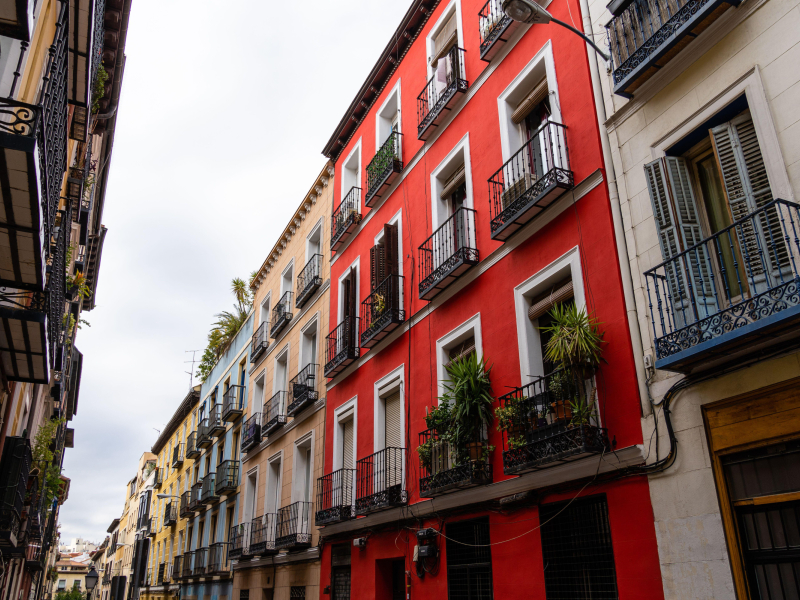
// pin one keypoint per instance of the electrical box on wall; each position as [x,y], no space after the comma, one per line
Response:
[360,542]
[427,551]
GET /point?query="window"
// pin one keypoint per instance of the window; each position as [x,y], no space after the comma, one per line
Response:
[462,340]
[264,312]
[469,560]
[250,491]
[340,572]
[273,491]
[258,389]
[308,344]
[286,279]
[302,472]
[212,530]
[280,377]
[297,591]
[384,262]
[388,119]
[62,584]
[314,243]
[351,171]
[444,36]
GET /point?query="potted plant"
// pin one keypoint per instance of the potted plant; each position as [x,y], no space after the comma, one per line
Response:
[470,390]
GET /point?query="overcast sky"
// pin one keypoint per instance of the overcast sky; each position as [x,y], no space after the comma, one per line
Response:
[226,106]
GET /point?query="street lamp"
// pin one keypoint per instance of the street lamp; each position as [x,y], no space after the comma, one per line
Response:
[162,496]
[528,11]
[91,580]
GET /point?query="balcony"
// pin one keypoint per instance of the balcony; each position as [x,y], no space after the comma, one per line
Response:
[259,342]
[381,311]
[302,390]
[227,479]
[186,505]
[448,469]
[281,314]
[237,539]
[262,536]
[14,471]
[309,280]
[177,568]
[548,429]
[274,413]
[152,527]
[171,514]
[251,432]
[496,27]
[379,481]
[345,218]
[177,456]
[335,497]
[194,500]
[233,403]
[203,435]
[447,254]
[530,181]
[731,296]
[217,563]
[208,493]
[162,575]
[34,556]
[158,478]
[341,347]
[645,35]
[216,426]
[384,167]
[438,97]
[188,558]
[192,450]
[199,567]
[294,527]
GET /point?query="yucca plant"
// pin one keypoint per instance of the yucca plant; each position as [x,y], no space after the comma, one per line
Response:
[576,342]
[469,392]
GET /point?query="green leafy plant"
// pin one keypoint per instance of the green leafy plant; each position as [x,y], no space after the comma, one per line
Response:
[469,389]
[47,460]
[380,304]
[575,340]
[425,451]
[99,91]
[71,594]
[439,417]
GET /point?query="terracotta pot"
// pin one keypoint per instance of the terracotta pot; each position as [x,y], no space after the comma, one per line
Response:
[561,412]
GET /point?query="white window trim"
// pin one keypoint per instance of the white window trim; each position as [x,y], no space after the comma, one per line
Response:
[508,129]
[287,269]
[313,321]
[386,384]
[340,414]
[263,376]
[454,5]
[461,149]
[268,301]
[472,324]
[356,150]
[530,358]
[354,266]
[397,219]
[316,228]
[254,508]
[283,352]
[395,91]
[277,457]
[296,484]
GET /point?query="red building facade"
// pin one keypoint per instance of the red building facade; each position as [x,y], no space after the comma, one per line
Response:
[470,197]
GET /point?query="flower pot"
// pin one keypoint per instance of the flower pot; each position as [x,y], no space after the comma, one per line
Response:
[560,412]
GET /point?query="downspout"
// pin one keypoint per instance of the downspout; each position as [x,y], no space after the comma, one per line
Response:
[616,212]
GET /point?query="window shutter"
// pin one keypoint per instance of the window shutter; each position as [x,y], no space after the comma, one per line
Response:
[560,292]
[445,39]
[390,249]
[529,102]
[393,437]
[347,444]
[453,182]
[373,267]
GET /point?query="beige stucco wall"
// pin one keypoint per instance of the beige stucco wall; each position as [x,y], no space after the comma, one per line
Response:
[756,46]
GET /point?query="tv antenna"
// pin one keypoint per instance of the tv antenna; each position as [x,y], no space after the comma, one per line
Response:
[191,373]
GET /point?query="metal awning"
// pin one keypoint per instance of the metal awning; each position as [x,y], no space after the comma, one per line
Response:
[23,339]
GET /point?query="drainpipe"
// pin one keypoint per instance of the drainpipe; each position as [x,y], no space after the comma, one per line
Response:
[616,212]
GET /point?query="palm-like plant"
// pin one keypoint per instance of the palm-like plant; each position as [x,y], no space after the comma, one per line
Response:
[575,341]
[469,392]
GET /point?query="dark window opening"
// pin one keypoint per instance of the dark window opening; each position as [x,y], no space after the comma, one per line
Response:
[469,560]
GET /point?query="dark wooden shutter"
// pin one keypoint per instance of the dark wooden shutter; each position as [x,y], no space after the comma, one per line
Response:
[391,244]
[377,266]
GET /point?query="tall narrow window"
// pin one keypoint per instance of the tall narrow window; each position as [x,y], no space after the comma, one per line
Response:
[340,572]
[347,444]
[469,560]
[273,486]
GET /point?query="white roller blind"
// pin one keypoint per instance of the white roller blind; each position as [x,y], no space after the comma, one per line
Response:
[527,104]
[394,437]
[455,180]
[347,445]
[445,39]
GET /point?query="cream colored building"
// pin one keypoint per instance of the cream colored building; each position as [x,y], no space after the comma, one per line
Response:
[282,436]
[701,107]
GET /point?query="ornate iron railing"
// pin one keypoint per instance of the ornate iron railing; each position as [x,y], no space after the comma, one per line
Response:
[162,574]
[294,526]
[237,539]
[216,425]
[380,481]
[171,513]
[309,280]
[209,490]
[530,180]
[177,567]
[274,413]
[159,477]
[440,91]
[341,346]
[177,455]
[384,166]
[56,291]
[227,476]
[262,536]
[302,389]
[251,432]
[445,468]
[200,556]
[152,527]
[736,280]
[449,252]
[345,218]
[493,22]
[188,557]
[186,504]
[553,420]
[217,559]
[203,435]
[97,40]
[192,449]
[381,311]
[233,403]
[281,314]
[260,341]
[335,497]
[195,499]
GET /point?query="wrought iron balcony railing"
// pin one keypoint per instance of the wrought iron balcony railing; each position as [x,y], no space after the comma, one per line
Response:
[303,390]
[554,421]
[162,574]
[171,514]
[195,499]
[733,294]
[216,425]
[159,477]
[294,526]
[199,567]
[341,346]
[188,559]
[384,167]
[445,468]
[495,28]
[187,507]
[274,413]
[237,539]
[345,218]
[152,527]
[335,497]
[177,568]
[14,471]
[260,341]
[447,254]
[217,563]
[227,479]
[208,492]
[281,314]
[262,536]
[203,436]
[309,280]
[192,449]
[381,311]
[177,456]
[251,432]
[530,181]
[440,93]
[233,403]
[380,482]
[645,35]
[34,556]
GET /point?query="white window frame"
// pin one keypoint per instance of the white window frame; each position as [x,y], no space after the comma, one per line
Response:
[245,519]
[277,457]
[313,322]
[263,377]
[381,119]
[450,339]
[397,220]
[290,270]
[263,315]
[354,267]
[345,412]
[355,154]
[454,5]
[296,483]
[459,153]
[282,353]
[510,136]
[528,336]
[316,230]
[387,384]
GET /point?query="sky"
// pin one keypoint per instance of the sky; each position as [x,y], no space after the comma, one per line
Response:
[225,108]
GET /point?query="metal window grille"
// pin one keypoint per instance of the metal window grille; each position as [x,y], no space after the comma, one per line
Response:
[577,551]
[244,594]
[469,560]
[298,591]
